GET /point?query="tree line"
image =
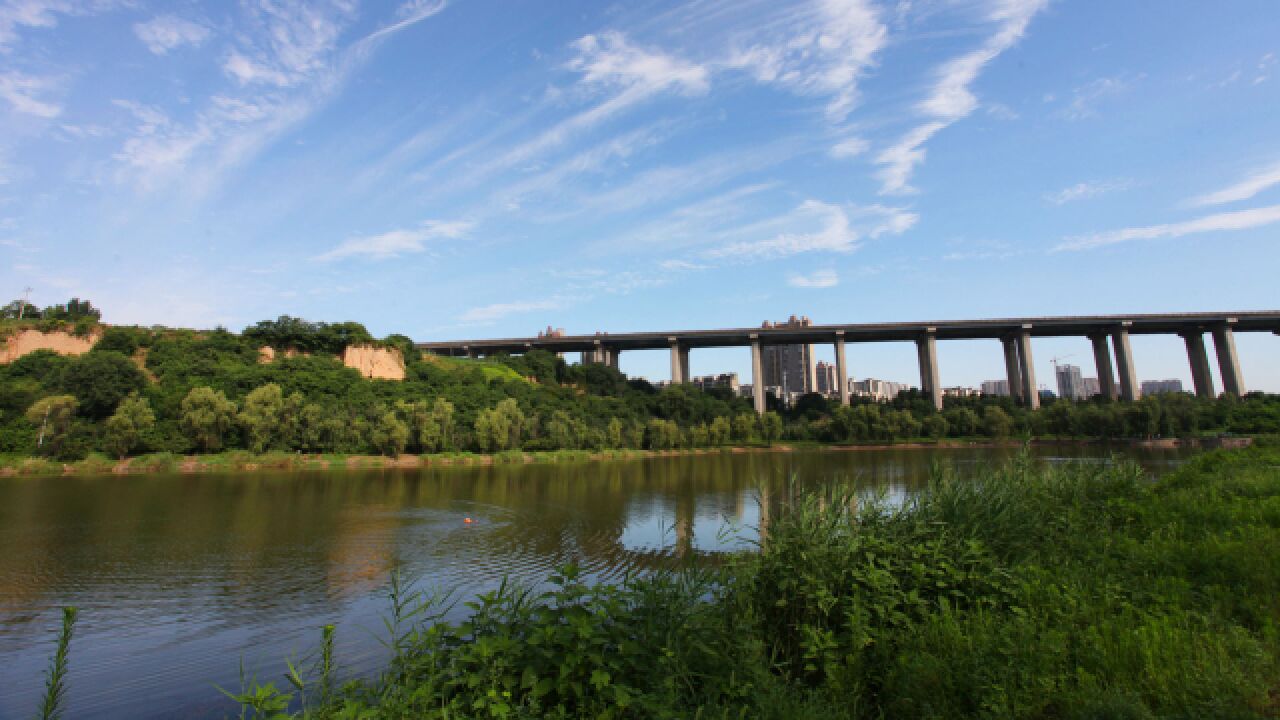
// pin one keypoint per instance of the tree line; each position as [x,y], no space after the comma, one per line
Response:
[183,391]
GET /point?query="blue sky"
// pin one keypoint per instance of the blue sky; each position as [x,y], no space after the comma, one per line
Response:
[479,169]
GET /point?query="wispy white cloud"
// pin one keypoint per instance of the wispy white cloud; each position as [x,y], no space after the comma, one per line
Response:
[951,99]
[834,229]
[1248,187]
[850,147]
[1265,64]
[1222,222]
[167,32]
[631,73]
[18,14]
[610,60]
[250,72]
[824,54]
[1083,190]
[288,64]
[1086,98]
[496,311]
[21,92]
[673,182]
[397,242]
[817,279]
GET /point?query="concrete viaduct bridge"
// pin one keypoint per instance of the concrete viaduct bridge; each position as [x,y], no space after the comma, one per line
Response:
[1109,333]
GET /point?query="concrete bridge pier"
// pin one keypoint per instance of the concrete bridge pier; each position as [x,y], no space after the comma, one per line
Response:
[927,348]
[757,375]
[1027,368]
[1224,341]
[842,369]
[679,362]
[1011,370]
[1129,389]
[1197,356]
[1102,360]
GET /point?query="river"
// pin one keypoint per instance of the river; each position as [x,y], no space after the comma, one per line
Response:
[180,577]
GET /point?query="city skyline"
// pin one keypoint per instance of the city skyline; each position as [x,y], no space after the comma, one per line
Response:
[462,170]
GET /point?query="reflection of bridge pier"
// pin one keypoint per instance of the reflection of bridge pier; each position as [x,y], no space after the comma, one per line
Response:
[686,510]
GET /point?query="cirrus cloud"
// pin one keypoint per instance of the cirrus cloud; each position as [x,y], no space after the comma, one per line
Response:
[397,242]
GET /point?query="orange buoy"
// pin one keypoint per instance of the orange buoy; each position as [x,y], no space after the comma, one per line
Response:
[467,521]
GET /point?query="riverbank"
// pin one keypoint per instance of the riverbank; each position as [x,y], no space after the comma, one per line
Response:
[1029,591]
[241,461]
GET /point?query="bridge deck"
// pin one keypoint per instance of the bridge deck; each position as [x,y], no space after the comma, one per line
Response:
[1151,324]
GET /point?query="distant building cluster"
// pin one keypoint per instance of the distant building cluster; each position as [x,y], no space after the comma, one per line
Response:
[726,380]
[880,390]
[995,388]
[1155,387]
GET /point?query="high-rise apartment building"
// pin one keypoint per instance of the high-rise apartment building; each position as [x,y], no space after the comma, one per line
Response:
[790,367]
[1155,387]
[1070,382]
[995,387]
[825,378]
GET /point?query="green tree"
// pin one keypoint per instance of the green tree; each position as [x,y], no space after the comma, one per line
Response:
[771,427]
[390,434]
[720,432]
[934,426]
[615,433]
[206,417]
[661,434]
[744,427]
[501,427]
[124,429]
[442,426]
[260,417]
[100,380]
[996,423]
[700,435]
[963,422]
[563,432]
[19,308]
[54,416]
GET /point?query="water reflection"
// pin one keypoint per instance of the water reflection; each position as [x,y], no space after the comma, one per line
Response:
[177,577]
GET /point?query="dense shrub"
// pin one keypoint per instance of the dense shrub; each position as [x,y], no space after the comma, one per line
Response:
[1024,592]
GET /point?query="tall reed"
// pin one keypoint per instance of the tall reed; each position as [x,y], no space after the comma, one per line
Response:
[55,684]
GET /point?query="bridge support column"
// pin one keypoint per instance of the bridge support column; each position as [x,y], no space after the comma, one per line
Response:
[1201,376]
[757,375]
[1012,373]
[842,369]
[1129,389]
[1102,360]
[679,362]
[1027,367]
[927,347]
[1224,341]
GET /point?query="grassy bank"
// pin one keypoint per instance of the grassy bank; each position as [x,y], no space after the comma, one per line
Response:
[1026,591]
[244,461]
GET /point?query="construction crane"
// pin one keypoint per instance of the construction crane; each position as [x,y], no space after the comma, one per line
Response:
[1055,360]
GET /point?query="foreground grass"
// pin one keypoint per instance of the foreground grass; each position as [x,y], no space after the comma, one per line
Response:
[1023,592]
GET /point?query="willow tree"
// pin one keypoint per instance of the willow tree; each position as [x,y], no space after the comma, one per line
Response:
[125,427]
[206,417]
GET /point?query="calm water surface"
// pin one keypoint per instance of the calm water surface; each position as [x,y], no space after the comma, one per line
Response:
[179,577]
